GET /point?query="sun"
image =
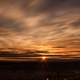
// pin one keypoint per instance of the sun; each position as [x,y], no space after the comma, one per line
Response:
[44,58]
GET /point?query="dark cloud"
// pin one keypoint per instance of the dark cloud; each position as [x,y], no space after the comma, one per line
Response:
[49,6]
[10,24]
[76,24]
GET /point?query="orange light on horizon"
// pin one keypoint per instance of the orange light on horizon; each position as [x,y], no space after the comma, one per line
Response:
[44,58]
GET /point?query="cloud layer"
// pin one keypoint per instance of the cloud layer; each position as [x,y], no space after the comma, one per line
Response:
[38,24]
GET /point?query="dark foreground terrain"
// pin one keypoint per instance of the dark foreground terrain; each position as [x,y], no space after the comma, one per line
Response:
[55,70]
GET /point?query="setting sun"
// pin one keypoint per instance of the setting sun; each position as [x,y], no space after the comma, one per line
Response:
[44,58]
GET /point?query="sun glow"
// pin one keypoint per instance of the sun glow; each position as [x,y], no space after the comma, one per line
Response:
[44,58]
[44,47]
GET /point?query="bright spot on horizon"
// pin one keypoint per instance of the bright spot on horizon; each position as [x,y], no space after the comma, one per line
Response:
[44,58]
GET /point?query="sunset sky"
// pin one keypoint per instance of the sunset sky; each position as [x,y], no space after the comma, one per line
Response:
[46,25]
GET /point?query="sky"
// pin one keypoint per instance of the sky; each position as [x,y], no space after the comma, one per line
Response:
[46,25]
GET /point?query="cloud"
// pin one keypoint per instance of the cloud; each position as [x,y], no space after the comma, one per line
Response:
[11,24]
[76,24]
[34,23]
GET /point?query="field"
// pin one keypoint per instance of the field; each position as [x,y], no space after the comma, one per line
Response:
[55,70]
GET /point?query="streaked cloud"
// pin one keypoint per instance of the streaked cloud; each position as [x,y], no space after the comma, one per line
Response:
[40,24]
